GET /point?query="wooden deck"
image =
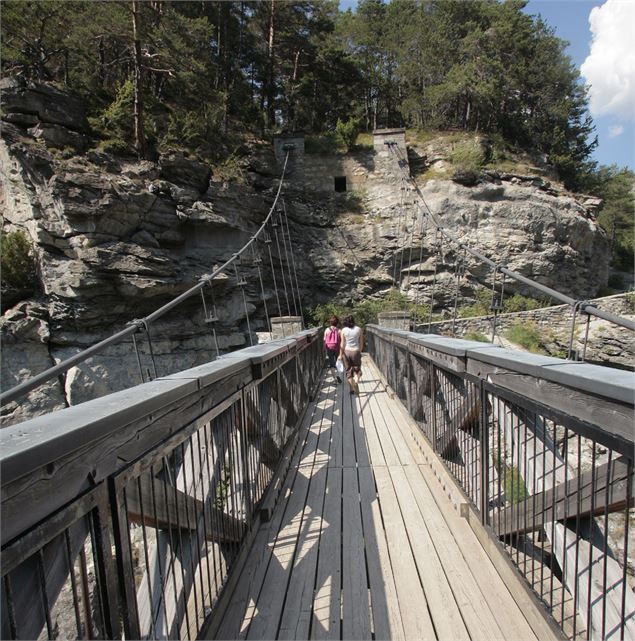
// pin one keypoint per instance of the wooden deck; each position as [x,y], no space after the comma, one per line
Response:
[363,544]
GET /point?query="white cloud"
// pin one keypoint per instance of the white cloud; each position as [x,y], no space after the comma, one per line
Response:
[610,67]
[615,131]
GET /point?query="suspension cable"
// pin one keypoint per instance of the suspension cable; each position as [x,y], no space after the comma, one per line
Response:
[274,226]
[286,254]
[257,260]
[586,306]
[295,273]
[422,235]
[130,329]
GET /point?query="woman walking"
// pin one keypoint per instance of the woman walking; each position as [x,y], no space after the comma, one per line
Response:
[351,352]
[332,340]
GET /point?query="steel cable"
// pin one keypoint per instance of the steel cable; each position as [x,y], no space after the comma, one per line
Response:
[52,372]
[588,308]
[286,254]
[295,273]
[274,226]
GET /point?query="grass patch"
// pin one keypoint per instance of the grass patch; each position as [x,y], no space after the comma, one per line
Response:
[364,141]
[467,155]
[526,335]
[327,143]
[515,488]
[476,336]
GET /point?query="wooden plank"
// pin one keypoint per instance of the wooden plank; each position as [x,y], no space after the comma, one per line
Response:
[266,617]
[242,608]
[368,388]
[414,614]
[390,454]
[384,603]
[441,601]
[336,428]
[615,418]
[221,526]
[296,615]
[326,617]
[355,604]
[362,455]
[526,623]
[575,497]
[348,439]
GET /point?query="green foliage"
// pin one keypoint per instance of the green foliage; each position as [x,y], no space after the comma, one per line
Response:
[520,303]
[616,281]
[476,336]
[526,335]
[326,143]
[481,306]
[207,73]
[347,132]
[468,156]
[366,311]
[515,488]
[615,187]
[17,265]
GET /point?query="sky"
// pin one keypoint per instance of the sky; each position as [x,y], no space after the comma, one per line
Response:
[601,38]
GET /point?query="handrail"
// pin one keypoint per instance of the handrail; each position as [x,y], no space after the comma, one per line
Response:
[539,447]
[187,460]
[52,372]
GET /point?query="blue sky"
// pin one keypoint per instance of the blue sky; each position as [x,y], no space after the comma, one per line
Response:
[606,57]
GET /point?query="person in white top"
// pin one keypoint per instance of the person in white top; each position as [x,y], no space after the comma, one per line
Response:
[351,352]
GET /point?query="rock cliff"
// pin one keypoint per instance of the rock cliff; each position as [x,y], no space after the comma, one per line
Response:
[116,238]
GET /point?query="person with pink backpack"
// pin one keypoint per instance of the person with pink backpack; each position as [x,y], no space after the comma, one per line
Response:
[332,340]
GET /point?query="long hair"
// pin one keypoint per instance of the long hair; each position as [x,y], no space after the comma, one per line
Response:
[334,321]
[349,321]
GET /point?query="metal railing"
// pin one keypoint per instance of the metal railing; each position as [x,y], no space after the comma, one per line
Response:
[124,516]
[543,451]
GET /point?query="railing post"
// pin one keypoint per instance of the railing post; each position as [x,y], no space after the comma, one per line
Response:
[123,555]
[433,396]
[105,565]
[244,455]
[484,444]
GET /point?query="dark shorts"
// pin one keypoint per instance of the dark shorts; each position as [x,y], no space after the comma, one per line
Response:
[353,362]
[332,355]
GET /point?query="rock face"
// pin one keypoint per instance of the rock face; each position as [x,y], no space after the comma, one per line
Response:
[116,238]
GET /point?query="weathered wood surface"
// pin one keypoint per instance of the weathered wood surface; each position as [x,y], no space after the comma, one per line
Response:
[363,544]
[163,507]
[577,496]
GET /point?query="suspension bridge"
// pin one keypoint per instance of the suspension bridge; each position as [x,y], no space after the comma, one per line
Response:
[467,492]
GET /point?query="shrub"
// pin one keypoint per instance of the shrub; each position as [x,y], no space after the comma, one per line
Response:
[476,336]
[366,312]
[515,488]
[17,264]
[468,156]
[323,144]
[520,303]
[526,335]
[347,131]
[616,281]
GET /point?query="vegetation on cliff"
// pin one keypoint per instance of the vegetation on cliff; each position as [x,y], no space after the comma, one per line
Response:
[159,76]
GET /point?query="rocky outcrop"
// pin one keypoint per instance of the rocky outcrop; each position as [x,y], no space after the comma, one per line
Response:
[116,238]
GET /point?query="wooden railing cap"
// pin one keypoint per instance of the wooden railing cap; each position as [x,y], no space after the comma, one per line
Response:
[29,445]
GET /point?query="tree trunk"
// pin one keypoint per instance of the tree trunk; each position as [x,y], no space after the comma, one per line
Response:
[138,100]
[271,114]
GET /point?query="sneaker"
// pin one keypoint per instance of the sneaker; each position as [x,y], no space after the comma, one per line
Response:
[339,380]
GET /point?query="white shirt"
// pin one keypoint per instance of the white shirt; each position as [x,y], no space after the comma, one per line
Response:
[352,336]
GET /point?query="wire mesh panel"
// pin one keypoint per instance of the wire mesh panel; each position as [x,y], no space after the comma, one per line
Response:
[58,580]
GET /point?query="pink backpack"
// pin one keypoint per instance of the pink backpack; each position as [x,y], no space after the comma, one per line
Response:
[332,338]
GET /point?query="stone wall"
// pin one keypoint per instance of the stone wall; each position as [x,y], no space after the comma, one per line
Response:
[607,343]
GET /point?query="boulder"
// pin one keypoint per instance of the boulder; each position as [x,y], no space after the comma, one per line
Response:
[48,103]
[177,169]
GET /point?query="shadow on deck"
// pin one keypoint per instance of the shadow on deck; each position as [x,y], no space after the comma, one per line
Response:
[364,544]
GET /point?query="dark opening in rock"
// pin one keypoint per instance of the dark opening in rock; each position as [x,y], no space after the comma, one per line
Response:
[339,183]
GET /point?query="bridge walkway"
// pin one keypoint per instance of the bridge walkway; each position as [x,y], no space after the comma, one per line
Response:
[363,543]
